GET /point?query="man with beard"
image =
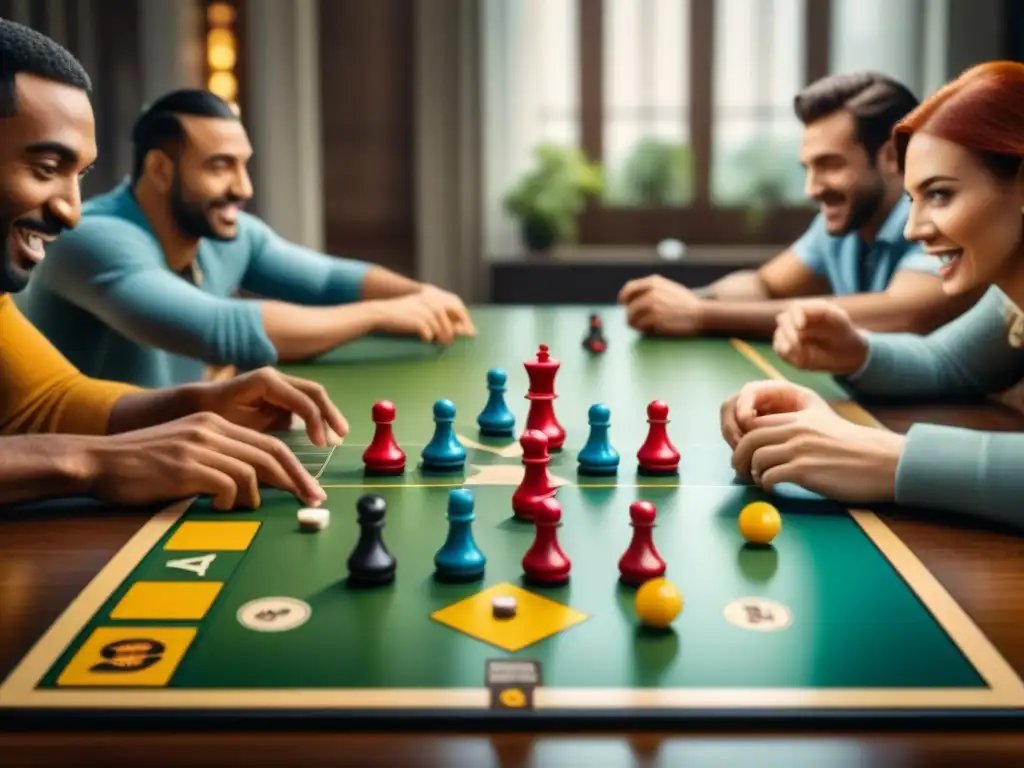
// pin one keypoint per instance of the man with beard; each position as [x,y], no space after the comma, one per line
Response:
[854,252]
[146,289]
[65,434]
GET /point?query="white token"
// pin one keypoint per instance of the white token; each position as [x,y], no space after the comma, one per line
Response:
[274,614]
[504,606]
[758,614]
[313,519]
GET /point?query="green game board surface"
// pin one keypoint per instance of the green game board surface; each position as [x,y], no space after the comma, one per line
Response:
[858,626]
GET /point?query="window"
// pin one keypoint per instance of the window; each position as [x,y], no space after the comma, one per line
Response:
[687,105]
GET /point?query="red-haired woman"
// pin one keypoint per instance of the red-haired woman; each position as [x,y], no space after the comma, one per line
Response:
[962,153]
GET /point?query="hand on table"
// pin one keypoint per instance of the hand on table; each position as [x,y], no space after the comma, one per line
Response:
[452,306]
[266,399]
[201,454]
[657,306]
[431,314]
[762,398]
[817,335]
[784,433]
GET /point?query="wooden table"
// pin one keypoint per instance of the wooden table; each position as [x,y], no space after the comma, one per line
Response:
[46,561]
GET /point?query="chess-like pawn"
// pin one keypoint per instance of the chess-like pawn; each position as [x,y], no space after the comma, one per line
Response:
[460,559]
[598,457]
[383,456]
[594,341]
[545,564]
[370,564]
[536,485]
[444,452]
[496,419]
[641,561]
[657,456]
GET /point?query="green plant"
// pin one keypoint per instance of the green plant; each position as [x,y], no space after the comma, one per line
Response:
[656,172]
[548,198]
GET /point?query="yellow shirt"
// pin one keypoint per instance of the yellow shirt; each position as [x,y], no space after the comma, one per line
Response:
[40,391]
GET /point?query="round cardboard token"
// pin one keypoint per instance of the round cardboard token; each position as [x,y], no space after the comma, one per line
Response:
[274,614]
[758,614]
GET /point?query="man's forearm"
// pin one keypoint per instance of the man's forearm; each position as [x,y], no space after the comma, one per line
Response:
[381,283]
[34,467]
[299,333]
[745,285]
[880,312]
[155,406]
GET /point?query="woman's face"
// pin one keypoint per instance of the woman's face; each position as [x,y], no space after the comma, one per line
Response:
[962,213]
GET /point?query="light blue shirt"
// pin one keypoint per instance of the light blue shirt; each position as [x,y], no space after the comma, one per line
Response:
[853,266]
[106,298]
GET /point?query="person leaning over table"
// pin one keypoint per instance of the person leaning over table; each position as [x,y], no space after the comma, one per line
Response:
[64,434]
[854,251]
[143,290]
[963,151]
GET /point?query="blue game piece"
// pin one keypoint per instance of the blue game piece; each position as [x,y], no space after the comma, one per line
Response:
[444,452]
[496,419]
[598,457]
[460,559]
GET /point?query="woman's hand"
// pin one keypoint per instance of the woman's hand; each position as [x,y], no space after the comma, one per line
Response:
[821,452]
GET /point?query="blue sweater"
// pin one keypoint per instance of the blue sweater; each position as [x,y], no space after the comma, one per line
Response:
[951,468]
[106,298]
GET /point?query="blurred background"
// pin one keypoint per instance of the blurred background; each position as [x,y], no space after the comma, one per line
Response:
[519,150]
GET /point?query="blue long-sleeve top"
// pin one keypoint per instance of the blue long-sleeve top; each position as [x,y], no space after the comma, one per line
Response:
[976,473]
[106,298]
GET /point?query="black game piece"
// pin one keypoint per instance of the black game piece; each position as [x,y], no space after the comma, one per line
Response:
[370,564]
[595,341]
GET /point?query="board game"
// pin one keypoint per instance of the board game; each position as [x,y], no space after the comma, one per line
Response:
[257,614]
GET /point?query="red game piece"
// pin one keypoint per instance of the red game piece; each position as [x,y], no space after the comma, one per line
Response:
[536,485]
[657,456]
[542,396]
[383,456]
[545,563]
[641,562]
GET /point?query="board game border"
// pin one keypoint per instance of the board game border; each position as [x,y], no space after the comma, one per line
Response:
[1004,693]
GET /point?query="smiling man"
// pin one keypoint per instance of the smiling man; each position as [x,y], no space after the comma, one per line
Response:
[146,289]
[854,253]
[65,434]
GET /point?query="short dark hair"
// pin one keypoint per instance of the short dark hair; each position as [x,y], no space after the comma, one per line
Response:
[159,125]
[24,50]
[876,102]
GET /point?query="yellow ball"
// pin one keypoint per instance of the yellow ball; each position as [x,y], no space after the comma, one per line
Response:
[658,602]
[760,522]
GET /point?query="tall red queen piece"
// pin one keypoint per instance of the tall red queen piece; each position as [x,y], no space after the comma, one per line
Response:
[383,456]
[541,395]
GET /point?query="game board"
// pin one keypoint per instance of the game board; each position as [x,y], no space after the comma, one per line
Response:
[243,614]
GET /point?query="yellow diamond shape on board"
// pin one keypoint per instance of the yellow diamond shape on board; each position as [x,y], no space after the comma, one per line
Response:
[536,617]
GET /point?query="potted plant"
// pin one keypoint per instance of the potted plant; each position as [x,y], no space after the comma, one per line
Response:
[549,197]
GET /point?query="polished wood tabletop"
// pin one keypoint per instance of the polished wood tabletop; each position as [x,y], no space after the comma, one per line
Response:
[46,559]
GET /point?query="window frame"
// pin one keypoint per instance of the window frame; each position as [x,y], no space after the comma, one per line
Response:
[700,222]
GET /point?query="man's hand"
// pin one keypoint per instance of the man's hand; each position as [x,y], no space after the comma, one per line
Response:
[661,307]
[452,306]
[202,454]
[429,314]
[266,399]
